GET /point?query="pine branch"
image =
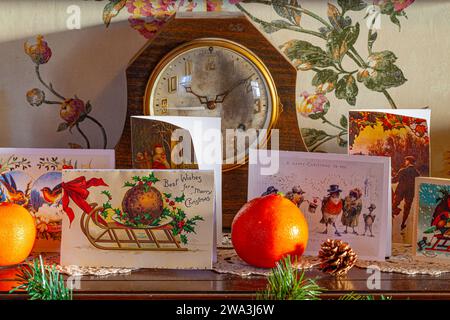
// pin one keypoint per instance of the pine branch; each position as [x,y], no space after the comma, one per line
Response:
[355,296]
[42,282]
[286,283]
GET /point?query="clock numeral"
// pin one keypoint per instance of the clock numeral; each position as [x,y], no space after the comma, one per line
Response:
[172,84]
[211,63]
[164,106]
[257,106]
[188,68]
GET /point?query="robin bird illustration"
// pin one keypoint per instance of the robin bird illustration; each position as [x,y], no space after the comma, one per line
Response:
[14,195]
[52,196]
[296,195]
[332,206]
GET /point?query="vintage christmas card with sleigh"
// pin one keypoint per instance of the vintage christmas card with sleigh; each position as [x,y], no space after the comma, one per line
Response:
[342,197]
[432,219]
[138,218]
[32,178]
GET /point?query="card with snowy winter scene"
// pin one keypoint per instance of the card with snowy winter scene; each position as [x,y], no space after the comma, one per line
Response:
[403,135]
[138,218]
[342,197]
[32,179]
[432,219]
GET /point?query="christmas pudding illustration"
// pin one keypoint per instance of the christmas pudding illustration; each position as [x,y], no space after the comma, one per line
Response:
[142,204]
[144,219]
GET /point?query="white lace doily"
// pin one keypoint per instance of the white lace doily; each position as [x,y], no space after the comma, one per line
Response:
[228,261]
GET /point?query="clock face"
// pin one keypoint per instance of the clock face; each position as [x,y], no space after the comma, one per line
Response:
[213,80]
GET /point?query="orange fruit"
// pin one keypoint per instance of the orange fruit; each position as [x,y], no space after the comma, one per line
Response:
[268,228]
[17,234]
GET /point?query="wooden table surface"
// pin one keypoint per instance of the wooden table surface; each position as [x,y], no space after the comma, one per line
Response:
[189,284]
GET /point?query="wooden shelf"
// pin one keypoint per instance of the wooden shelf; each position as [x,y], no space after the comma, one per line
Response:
[192,284]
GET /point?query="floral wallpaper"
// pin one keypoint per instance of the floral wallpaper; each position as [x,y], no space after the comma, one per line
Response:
[350,54]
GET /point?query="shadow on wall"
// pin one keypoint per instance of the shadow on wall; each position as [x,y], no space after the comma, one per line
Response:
[86,65]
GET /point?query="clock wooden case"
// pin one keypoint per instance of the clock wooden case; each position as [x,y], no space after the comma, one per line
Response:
[236,27]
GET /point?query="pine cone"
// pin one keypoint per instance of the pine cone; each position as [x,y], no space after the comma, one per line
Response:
[336,257]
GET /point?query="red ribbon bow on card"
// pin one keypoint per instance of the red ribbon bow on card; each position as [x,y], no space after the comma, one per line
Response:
[77,191]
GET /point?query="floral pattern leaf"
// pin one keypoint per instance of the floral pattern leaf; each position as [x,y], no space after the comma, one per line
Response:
[390,77]
[343,121]
[385,74]
[326,78]
[303,53]
[352,5]
[275,25]
[312,136]
[346,88]
[112,9]
[339,43]
[371,40]
[294,16]
[62,126]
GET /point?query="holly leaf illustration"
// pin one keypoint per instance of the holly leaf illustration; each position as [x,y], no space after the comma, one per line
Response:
[167,195]
[112,9]
[183,238]
[346,88]
[306,53]
[312,136]
[129,184]
[352,5]
[180,199]
[340,42]
[150,178]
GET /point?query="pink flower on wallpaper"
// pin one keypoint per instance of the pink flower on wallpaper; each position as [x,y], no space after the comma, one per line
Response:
[399,5]
[146,26]
[147,16]
[40,53]
[311,104]
[139,7]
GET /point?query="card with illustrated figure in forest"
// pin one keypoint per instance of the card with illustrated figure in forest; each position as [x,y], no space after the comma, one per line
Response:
[402,135]
[342,197]
[170,142]
[138,218]
[32,178]
[432,219]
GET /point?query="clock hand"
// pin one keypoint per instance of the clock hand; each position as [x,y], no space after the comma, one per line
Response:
[187,108]
[220,98]
[202,99]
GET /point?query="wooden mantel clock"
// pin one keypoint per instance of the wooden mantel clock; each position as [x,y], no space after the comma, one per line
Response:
[215,65]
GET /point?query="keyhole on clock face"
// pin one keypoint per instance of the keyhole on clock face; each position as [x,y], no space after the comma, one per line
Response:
[211,105]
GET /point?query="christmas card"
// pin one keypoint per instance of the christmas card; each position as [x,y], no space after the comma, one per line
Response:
[402,135]
[168,142]
[32,178]
[431,236]
[138,218]
[342,197]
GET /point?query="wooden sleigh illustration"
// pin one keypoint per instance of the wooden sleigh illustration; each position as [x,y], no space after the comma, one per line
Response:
[440,243]
[113,236]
